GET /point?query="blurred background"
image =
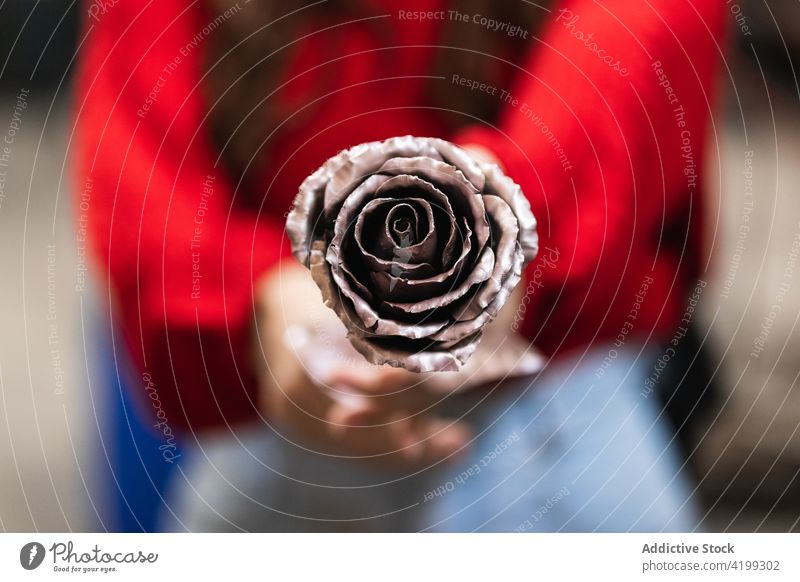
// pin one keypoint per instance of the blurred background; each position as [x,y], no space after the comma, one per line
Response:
[72,454]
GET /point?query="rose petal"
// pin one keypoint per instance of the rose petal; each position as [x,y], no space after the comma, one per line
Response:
[360,162]
[360,304]
[421,251]
[452,182]
[353,280]
[505,230]
[320,272]
[465,327]
[353,205]
[487,302]
[498,184]
[390,187]
[391,284]
[455,156]
[419,248]
[357,311]
[428,358]
[440,201]
[481,272]
[305,223]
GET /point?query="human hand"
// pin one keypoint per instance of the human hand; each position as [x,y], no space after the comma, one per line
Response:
[328,397]
[501,355]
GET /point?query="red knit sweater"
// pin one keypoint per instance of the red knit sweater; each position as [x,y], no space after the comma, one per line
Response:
[605,127]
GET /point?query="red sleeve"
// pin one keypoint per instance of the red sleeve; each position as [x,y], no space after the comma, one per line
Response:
[178,256]
[604,128]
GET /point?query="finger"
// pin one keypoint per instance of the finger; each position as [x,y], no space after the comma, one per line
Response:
[373,380]
[392,441]
[360,412]
[348,412]
[445,440]
[427,439]
[391,437]
[406,438]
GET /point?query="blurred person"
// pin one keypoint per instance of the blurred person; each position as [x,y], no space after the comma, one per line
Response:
[196,124]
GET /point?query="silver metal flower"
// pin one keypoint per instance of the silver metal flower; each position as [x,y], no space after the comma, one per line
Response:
[415,245]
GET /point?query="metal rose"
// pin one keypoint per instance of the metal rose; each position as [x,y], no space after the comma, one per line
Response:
[415,245]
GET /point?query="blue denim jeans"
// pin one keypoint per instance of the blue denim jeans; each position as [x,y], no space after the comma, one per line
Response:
[581,447]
